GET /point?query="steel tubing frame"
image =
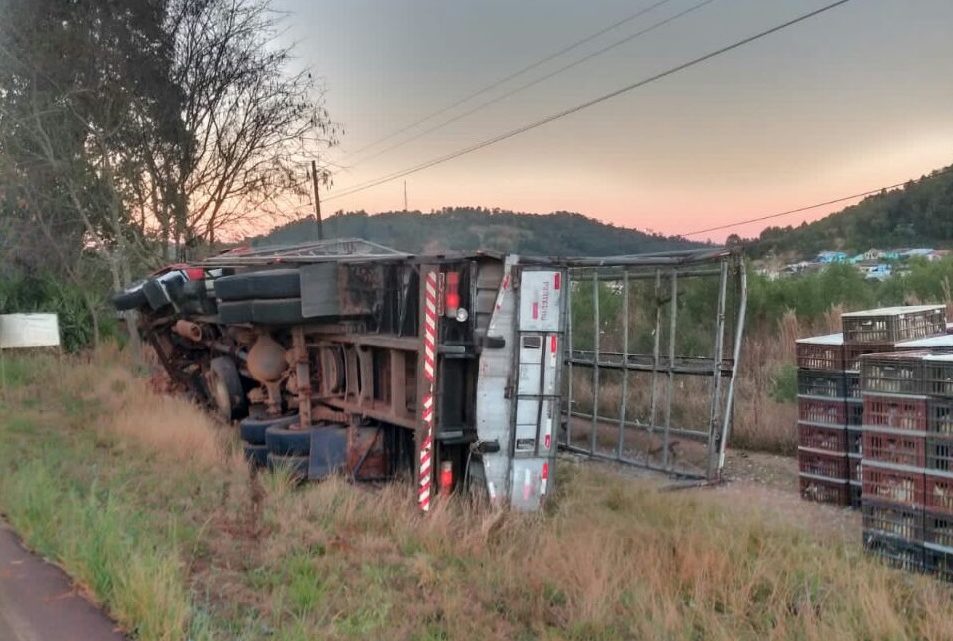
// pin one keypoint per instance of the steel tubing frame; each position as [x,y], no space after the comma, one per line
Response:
[726,267]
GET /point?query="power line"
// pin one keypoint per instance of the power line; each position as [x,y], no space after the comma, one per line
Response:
[515,74]
[535,82]
[809,207]
[589,103]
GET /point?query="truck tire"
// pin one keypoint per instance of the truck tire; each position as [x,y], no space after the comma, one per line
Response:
[225,389]
[256,455]
[294,442]
[282,311]
[296,466]
[127,300]
[285,311]
[267,284]
[252,430]
[284,441]
[235,313]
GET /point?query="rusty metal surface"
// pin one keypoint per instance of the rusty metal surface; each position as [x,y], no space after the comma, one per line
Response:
[303,376]
[360,289]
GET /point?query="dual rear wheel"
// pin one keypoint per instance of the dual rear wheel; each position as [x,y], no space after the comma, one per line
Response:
[278,444]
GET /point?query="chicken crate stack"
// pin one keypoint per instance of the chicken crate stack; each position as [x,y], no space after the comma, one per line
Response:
[938,477]
[896,425]
[825,416]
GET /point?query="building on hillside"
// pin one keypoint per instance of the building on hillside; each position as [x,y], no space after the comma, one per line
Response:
[922,252]
[828,257]
[873,254]
[879,271]
[797,268]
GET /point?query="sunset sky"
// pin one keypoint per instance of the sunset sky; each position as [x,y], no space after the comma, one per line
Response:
[853,99]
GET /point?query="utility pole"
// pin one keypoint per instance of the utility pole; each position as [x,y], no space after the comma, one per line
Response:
[317,198]
[405,195]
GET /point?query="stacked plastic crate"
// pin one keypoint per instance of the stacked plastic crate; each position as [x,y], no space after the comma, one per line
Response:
[938,477]
[824,417]
[896,426]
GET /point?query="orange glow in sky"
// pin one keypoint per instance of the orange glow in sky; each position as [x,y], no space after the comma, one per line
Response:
[850,101]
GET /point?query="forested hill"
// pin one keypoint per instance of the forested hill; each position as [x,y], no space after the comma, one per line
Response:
[471,228]
[920,214]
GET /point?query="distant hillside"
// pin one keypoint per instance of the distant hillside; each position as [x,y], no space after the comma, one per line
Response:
[918,215]
[466,228]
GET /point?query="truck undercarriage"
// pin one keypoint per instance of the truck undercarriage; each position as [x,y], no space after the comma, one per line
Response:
[344,356]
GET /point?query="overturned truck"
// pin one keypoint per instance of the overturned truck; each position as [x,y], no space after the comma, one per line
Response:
[448,371]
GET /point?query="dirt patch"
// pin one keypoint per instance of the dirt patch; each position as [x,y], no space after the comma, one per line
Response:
[768,483]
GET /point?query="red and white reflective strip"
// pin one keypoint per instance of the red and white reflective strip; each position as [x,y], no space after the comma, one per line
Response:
[426,414]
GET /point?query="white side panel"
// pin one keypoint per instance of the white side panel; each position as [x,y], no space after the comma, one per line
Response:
[551,364]
[494,407]
[531,358]
[540,301]
[29,330]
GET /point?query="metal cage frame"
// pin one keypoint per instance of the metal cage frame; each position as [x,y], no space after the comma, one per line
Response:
[668,270]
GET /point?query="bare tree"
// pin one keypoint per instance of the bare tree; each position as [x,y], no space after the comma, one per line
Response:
[249,123]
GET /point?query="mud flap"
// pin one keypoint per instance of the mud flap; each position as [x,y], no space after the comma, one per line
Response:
[328,452]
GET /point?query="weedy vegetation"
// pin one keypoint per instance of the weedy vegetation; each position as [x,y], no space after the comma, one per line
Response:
[143,500]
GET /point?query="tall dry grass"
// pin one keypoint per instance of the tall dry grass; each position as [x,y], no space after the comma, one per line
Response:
[130,410]
[763,420]
[612,559]
[238,556]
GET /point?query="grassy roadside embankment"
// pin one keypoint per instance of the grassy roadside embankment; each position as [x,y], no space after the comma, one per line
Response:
[143,500]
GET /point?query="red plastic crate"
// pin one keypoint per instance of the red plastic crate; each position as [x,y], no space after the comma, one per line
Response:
[938,493]
[824,490]
[855,469]
[820,356]
[899,449]
[830,439]
[829,411]
[896,486]
[826,464]
[895,412]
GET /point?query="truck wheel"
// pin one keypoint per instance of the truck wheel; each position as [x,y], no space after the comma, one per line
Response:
[256,455]
[272,283]
[284,441]
[252,430]
[124,301]
[225,389]
[284,311]
[235,313]
[279,311]
[296,466]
